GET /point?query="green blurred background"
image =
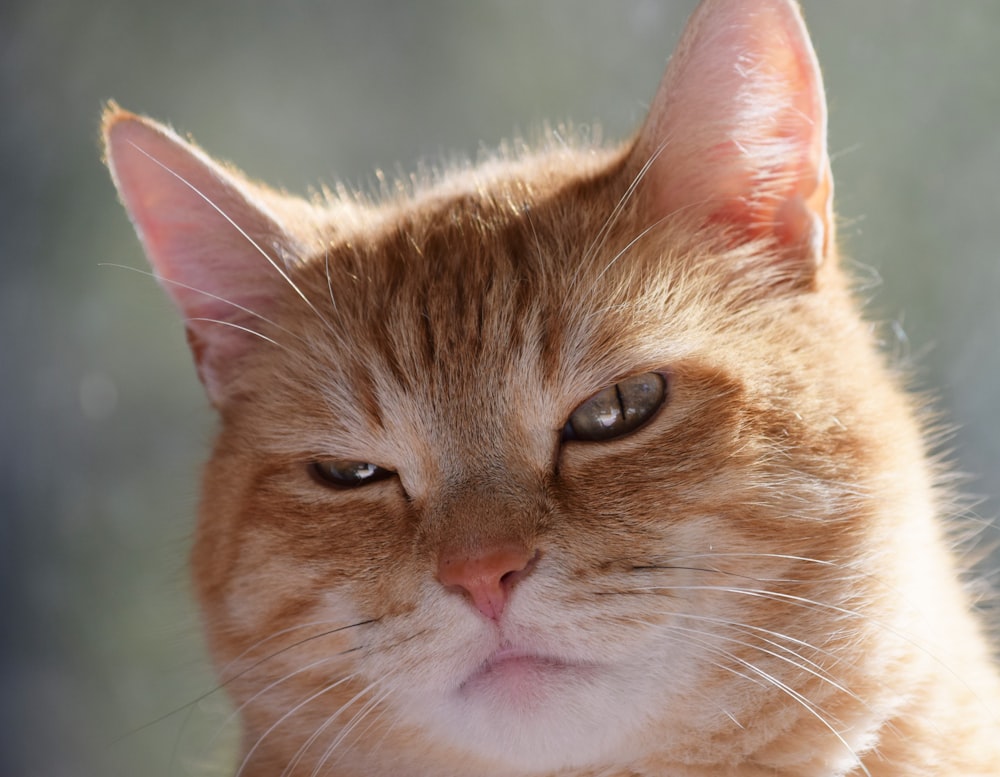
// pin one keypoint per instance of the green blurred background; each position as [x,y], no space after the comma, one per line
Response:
[102,421]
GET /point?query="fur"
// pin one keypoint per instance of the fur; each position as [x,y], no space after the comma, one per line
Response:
[755,582]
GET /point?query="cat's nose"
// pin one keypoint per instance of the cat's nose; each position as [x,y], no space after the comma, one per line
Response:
[487,577]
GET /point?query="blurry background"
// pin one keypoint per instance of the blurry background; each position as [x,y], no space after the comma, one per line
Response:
[102,421]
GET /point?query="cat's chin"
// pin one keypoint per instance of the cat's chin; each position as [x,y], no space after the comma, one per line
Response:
[523,681]
[525,707]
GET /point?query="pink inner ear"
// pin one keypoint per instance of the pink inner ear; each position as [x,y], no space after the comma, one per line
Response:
[738,127]
[211,243]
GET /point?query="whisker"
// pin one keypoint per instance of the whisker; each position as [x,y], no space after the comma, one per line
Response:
[210,295]
[809,707]
[263,691]
[208,200]
[713,571]
[631,243]
[747,628]
[760,593]
[237,326]
[813,604]
[311,739]
[683,641]
[241,673]
[300,753]
[285,649]
[807,666]
[253,749]
[609,223]
[806,704]
[175,750]
[739,554]
[351,725]
[329,279]
[373,720]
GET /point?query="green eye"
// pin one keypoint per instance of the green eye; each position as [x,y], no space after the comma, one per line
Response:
[347,474]
[618,409]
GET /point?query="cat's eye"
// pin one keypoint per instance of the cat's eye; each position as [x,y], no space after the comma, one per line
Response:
[347,474]
[618,409]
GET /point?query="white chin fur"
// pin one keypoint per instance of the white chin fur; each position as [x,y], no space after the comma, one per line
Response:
[587,707]
[582,721]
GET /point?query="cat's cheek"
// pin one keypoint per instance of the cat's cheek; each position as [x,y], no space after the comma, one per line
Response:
[266,593]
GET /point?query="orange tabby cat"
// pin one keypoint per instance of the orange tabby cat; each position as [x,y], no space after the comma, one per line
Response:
[575,463]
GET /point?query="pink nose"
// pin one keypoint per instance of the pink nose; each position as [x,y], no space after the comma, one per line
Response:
[487,577]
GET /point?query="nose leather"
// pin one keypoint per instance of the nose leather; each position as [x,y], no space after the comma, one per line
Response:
[486,577]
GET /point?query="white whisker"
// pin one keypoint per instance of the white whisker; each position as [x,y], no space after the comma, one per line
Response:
[629,245]
[216,297]
[318,732]
[235,713]
[329,279]
[807,666]
[602,234]
[241,328]
[360,715]
[286,648]
[256,246]
[806,704]
[256,745]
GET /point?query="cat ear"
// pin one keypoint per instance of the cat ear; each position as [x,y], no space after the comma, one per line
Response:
[736,135]
[210,238]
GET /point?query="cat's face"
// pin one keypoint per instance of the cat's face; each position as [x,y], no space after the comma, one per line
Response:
[552,459]
[645,571]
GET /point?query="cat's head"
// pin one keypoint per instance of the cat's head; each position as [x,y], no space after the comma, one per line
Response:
[546,458]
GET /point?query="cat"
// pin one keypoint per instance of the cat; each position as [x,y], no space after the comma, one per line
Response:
[578,462]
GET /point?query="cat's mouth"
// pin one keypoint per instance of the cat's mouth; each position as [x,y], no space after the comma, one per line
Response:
[522,677]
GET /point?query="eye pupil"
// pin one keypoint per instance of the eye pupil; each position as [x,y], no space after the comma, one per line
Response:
[618,409]
[347,474]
